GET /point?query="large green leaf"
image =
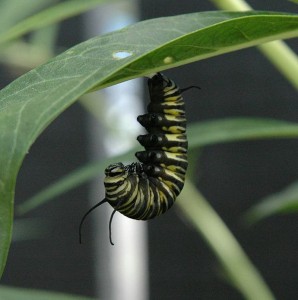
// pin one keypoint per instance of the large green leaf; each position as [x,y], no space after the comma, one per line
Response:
[31,102]
[12,293]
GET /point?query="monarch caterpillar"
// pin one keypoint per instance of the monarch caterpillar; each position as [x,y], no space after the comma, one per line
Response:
[146,189]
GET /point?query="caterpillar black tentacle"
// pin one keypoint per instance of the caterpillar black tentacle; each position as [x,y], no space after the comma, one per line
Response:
[146,189]
[87,213]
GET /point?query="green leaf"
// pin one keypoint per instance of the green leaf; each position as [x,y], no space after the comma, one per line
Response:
[49,16]
[30,228]
[34,100]
[285,201]
[233,129]
[210,36]
[12,11]
[11,293]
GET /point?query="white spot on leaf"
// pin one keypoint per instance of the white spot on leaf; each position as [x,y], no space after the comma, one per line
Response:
[121,54]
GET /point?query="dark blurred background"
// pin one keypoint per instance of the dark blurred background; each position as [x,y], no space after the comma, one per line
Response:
[232,177]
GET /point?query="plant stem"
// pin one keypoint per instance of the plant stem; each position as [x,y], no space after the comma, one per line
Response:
[277,52]
[283,58]
[241,272]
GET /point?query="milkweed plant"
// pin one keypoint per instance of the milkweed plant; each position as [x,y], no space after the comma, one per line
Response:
[36,98]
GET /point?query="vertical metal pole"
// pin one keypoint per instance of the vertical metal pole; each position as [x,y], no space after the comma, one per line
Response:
[121,270]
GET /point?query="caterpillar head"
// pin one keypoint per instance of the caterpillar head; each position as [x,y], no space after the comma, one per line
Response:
[114,173]
[116,169]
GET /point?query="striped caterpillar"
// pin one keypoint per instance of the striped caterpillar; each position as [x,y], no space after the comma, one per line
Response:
[146,189]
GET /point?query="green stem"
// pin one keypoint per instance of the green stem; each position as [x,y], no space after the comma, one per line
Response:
[277,52]
[237,265]
[283,58]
